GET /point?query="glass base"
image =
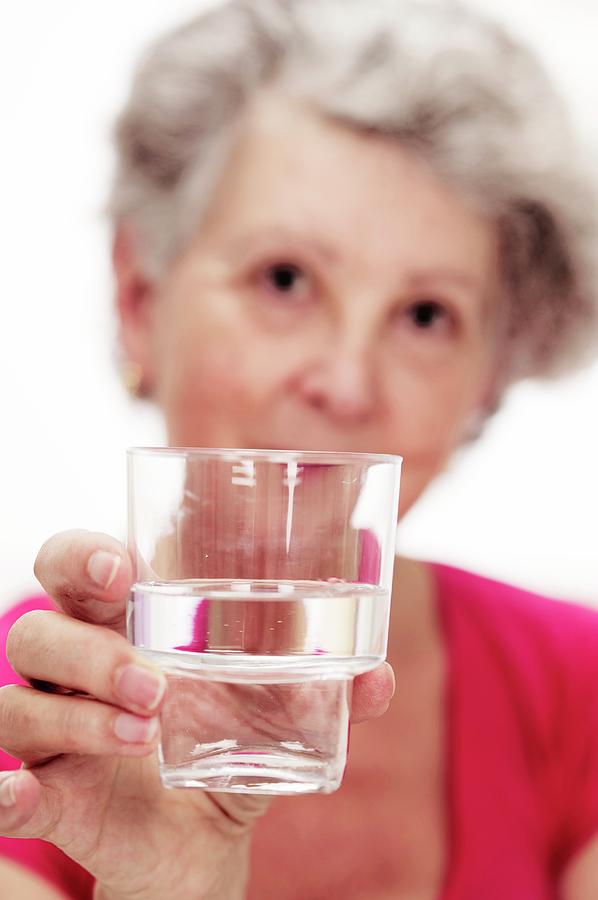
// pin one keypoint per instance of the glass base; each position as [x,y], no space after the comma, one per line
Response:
[254,771]
[288,738]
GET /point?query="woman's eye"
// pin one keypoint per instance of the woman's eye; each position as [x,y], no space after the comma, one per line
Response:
[427,315]
[286,278]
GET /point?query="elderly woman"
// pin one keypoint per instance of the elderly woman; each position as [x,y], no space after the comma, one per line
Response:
[338,226]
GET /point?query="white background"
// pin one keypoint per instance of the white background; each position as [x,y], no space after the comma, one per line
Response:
[521,505]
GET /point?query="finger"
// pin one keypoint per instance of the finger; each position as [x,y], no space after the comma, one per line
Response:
[20,794]
[87,574]
[28,808]
[51,647]
[372,694]
[36,727]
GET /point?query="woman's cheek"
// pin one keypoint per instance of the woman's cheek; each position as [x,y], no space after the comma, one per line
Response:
[428,422]
[203,390]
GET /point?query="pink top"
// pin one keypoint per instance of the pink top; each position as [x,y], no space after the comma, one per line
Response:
[523,737]
[522,787]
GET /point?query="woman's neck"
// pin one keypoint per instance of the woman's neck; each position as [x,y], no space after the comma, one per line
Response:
[414,622]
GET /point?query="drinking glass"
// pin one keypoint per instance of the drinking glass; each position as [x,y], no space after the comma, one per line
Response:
[262,587]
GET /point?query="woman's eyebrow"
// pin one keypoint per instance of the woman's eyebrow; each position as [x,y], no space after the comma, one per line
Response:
[271,237]
[469,286]
[456,277]
[263,238]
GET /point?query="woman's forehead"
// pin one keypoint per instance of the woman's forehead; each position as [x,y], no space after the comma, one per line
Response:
[296,177]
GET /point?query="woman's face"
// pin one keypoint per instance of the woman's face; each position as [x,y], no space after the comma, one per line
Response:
[337,296]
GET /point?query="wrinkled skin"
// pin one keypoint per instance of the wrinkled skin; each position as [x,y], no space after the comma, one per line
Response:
[99,798]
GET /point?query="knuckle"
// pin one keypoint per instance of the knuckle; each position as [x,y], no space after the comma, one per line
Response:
[18,637]
[23,638]
[9,715]
[14,643]
[72,725]
[81,727]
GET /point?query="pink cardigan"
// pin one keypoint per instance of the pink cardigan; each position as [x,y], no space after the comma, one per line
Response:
[522,752]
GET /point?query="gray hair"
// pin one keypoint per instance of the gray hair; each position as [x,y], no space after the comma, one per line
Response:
[442,79]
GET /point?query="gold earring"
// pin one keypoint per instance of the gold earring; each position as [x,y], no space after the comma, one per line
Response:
[132,377]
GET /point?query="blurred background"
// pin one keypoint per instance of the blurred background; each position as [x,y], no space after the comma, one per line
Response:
[520,505]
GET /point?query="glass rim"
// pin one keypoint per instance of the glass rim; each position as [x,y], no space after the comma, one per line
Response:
[323,457]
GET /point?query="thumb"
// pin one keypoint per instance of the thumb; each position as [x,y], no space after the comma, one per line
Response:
[22,812]
[88,575]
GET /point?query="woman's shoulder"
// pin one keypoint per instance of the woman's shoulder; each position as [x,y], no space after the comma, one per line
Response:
[527,665]
[521,617]
[540,652]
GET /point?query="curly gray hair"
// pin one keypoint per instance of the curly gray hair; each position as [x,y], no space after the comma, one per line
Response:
[442,79]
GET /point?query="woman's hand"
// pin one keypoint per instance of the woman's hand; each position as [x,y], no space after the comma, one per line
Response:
[90,781]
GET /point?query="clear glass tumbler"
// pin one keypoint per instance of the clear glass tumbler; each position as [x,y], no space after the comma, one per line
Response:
[262,587]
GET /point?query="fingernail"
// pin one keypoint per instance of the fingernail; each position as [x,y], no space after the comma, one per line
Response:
[102,568]
[134,729]
[394,680]
[139,685]
[8,792]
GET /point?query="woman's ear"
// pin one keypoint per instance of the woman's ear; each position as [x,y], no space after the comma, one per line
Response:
[135,301]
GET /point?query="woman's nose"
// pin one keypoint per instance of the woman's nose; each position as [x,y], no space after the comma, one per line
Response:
[340,385]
